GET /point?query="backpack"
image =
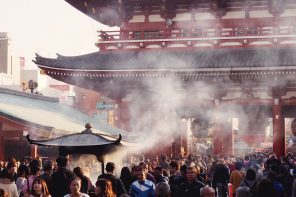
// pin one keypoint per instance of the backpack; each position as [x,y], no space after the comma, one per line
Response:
[252,189]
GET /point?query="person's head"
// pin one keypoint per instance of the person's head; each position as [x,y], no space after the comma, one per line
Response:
[104,187]
[144,166]
[3,193]
[62,162]
[207,191]
[125,173]
[75,185]
[174,166]
[141,174]
[48,167]
[110,167]
[191,173]
[162,190]
[158,171]
[39,186]
[35,167]
[183,170]
[23,171]
[250,174]
[12,166]
[78,172]
[238,165]
[6,174]
[242,192]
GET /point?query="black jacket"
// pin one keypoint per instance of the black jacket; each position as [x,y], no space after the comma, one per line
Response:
[60,182]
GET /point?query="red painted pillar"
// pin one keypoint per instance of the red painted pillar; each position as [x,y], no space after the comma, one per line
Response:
[1,143]
[279,134]
[34,151]
[228,138]
[183,136]
[217,133]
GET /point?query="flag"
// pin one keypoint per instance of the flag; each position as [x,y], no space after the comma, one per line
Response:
[22,62]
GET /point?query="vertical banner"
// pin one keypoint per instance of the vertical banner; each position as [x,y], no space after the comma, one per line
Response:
[22,63]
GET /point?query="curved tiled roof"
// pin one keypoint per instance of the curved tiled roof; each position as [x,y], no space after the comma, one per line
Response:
[160,59]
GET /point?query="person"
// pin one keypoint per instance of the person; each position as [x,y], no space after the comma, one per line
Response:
[35,171]
[191,186]
[175,176]
[126,178]
[158,175]
[61,177]
[3,193]
[265,188]
[237,176]
[207,191]
[22,175]
[103,189]
[163,162]
[85,182]
[7,183]
[221,178]
[117,185]
[46,175]
[39,188]
[250,181]
[149,176]
[74,186]
[242,192]
[162,189]
[137,187]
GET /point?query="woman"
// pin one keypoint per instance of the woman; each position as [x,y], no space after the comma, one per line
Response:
[75,185]
[35,171]
[39,188]
[126,178]
[7,183]
[3,193]
[103,189]
[22,175]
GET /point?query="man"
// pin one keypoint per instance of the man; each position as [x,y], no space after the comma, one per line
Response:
[61,178]
[142,187]
[207,191]
[162,190]
[191,186]
[159,177]
[144,167]
[117,186]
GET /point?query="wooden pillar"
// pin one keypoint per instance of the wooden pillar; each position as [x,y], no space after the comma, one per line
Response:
[34,150]
[1,143]
[183,136]
[228,138]
[217,134]
[279,134]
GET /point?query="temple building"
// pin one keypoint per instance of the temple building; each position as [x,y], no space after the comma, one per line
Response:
[197,65]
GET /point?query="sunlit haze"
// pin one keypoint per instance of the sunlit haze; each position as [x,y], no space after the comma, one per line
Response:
[47,27]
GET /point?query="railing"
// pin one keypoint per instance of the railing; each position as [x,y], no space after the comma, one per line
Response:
[189,37]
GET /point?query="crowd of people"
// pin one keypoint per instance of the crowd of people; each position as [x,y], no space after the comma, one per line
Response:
[254,175]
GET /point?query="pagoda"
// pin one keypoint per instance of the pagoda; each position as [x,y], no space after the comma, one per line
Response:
[244,50]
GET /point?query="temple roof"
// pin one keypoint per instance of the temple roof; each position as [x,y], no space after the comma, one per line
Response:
[49,115]
[173,60]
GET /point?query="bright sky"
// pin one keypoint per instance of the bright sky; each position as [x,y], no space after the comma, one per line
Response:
[47,27]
